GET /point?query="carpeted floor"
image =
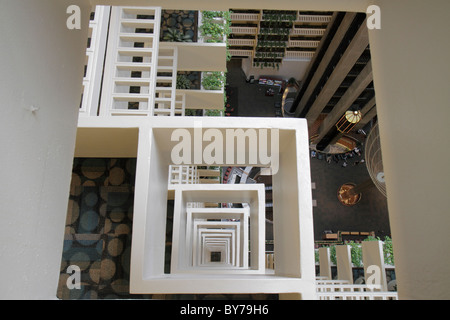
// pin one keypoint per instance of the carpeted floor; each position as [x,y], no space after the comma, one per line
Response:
[370,214]
[98,234]
[232,105]
[98,229]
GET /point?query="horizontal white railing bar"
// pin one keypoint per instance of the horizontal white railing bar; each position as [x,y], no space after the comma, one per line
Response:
[138,23]
[331,282]
[147,52]
[132,81]
[135,66]
[125,112]
[163,79]
[132,97]
[143,37]
[140,10]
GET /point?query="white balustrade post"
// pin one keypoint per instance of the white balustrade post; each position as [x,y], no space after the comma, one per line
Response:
[373,261]
[325,262]
[344,263]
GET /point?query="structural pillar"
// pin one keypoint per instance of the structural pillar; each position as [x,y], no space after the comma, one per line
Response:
[325,262]
[344,263]
[411,79]
[373,261]
[41,94]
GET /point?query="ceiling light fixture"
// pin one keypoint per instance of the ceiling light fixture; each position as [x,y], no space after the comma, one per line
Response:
[348,120]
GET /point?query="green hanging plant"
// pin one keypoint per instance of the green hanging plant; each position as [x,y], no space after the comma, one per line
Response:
[213,81]
[213,31]
[183,82]
[355,253]
[174,35]
[333,255]
[388,252]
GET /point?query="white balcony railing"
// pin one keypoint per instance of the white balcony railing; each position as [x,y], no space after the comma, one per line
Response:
[307,32]
[300,55]
[244,17]
[128,83]
[344,290]
[241,53]
[98,29]
[313,18]
[242,42]
[303,43]
[179,174]
[357,296]
[244,30]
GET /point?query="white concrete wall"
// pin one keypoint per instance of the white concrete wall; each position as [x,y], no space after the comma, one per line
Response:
[201,57]
[411,71]
[318,5]
[42,66]
[106,142]
[203,99]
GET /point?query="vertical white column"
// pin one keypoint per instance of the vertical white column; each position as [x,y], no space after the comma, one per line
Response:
[411,79]
[325,262]
[344,263]
[43,61]
[373,261]
[95,54]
